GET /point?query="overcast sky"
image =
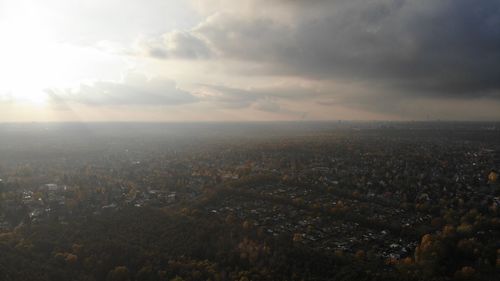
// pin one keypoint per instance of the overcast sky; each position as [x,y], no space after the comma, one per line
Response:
[226,60]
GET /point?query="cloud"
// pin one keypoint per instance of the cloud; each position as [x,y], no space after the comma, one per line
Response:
[435,48]
[135,89]
[274,99]
[227,97]
[234,97]
[268,105]
[386,58]
[175,45]
[414,107]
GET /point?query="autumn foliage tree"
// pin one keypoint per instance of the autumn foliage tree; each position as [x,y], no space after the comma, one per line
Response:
[119,273]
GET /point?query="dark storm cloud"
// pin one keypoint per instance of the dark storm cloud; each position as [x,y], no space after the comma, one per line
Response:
[427,47]
[134,90]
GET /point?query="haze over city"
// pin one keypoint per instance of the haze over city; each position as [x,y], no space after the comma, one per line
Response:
[249,60]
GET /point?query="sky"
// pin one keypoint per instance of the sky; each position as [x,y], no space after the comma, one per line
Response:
[249,60]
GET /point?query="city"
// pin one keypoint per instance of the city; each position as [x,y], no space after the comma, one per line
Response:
[379,195]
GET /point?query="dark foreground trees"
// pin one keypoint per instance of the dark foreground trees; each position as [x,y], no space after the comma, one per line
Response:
[152,245]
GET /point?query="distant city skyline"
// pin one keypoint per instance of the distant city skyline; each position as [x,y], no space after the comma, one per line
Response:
[249,60]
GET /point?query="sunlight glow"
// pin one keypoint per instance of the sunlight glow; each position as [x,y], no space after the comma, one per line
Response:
[28,56]
[32,59]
